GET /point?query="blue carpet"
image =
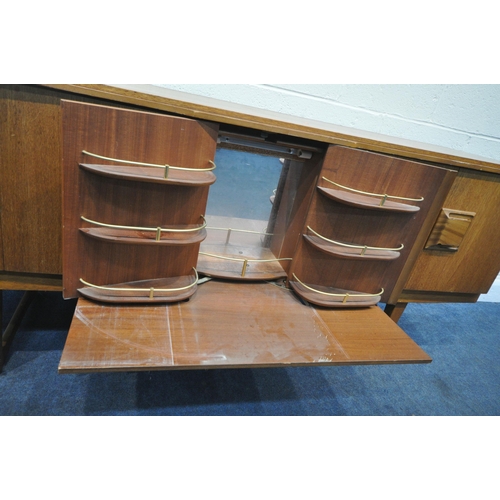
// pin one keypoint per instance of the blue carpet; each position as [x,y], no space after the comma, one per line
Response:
[463,379]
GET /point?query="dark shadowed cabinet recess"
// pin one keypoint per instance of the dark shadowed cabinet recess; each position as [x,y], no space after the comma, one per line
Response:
[354,221]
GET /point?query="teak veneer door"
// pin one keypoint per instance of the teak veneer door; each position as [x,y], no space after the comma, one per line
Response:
[368,219]
[114,185]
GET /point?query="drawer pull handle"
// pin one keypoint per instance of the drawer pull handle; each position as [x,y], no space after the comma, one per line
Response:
[165,167]
[377,195]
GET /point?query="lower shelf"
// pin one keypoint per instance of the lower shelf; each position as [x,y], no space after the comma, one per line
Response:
[162,290]
[231,325]
[240,263]
[334,297]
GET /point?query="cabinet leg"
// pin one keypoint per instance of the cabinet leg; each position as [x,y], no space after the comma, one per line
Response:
[395,311]
[14,323]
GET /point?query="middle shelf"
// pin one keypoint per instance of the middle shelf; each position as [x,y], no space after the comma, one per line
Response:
[350,250]
[177,235]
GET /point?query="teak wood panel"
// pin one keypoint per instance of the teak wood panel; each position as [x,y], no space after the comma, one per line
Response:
[476,264]
[272,329]
[30,182]
[374,173]
[139,137]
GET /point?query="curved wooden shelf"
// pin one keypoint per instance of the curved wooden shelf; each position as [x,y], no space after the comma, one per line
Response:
[134,237]
[350,251]
[240,263]
[367,202]
[160,290]
[333,297]
[152,174]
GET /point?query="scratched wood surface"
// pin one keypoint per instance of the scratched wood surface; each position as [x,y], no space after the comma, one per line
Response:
[231,325]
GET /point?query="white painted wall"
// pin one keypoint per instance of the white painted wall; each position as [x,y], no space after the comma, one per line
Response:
[462,117]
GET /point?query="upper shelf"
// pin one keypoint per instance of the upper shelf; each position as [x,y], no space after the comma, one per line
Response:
[371,201]
[152,174]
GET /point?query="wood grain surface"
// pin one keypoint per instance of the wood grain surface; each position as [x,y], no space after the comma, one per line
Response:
[213,330]
[369,172]
[137,137]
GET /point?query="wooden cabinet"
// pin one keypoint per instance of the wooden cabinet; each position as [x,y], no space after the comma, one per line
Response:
[349,227]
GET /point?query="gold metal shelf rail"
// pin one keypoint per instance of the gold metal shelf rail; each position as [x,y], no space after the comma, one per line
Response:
[166,167]
[376,195]
[230,230]
[245,261]
[345,295]
[151,290]
[363,248]
[158,230]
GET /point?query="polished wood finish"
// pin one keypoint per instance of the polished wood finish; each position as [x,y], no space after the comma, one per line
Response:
[138,137]
[152,174]
[30,186]
[150,96]
[473,268]
[349,253]
[333,297]
[366,202]
[377,173]
[244,267]
[161,290]
[129,237]
[273,329]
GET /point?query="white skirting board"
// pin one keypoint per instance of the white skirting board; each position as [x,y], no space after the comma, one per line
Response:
[494,294]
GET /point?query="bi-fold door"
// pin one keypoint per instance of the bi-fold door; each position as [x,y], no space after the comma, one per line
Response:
[136,186]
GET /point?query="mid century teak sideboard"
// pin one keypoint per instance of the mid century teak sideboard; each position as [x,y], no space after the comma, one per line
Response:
[103,196]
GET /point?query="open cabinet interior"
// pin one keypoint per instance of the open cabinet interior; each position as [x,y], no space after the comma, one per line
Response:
[298,245]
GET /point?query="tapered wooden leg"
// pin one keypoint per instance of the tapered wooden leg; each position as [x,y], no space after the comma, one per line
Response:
[395,311]
[1,330]
[15,322]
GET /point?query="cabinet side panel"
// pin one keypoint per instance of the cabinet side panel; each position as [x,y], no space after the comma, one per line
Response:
[30,180]
[473,268]
[337,221]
